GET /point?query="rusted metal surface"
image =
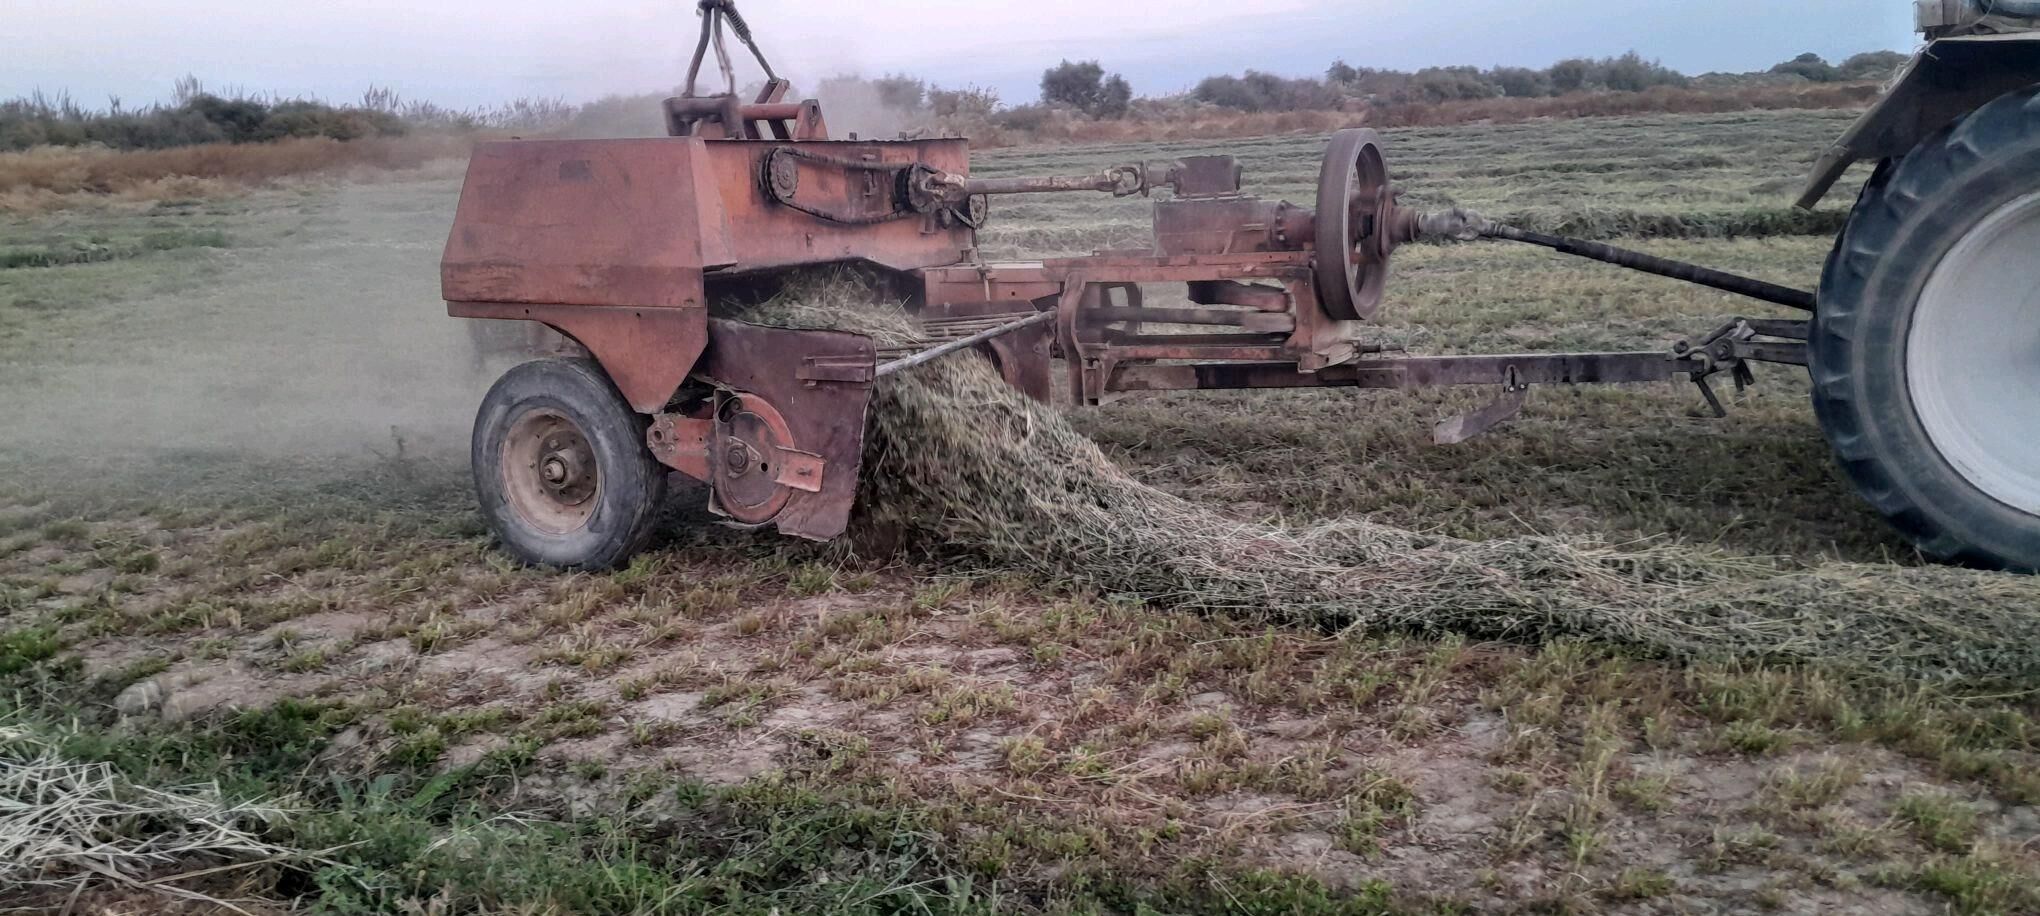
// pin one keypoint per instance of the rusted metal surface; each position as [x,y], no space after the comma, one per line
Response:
[770,232]
[681,442]
[1351,235]
[725,118]
[589,222]
[647,352]
[1412,372]
[641,222]
[1230,225]
[786,451]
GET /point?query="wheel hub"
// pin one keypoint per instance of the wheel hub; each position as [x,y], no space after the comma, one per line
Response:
[1355,204]
[1973,356]
[749,437]
[549,472]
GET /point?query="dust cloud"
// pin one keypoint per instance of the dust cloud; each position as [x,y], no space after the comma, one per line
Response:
[319,333]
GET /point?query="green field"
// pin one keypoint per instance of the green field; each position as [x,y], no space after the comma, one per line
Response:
[236,477]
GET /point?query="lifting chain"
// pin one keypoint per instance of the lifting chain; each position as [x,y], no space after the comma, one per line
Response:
[714,14]
[781,180]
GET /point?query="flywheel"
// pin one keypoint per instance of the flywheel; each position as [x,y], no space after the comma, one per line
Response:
[1354,205]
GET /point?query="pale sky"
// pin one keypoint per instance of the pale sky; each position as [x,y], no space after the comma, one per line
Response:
[470,52]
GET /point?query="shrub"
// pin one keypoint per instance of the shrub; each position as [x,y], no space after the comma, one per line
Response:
[1084,85]
[1446,84]
[1809,66]
[1076,84]
[1024,117]
[1259,91]
[1521,82]
[900,91]
[1873,65]
[968,102]
[1113,98]
[1571,75]
[1631,73]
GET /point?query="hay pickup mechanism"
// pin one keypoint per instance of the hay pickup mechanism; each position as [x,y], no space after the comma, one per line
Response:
[621,244]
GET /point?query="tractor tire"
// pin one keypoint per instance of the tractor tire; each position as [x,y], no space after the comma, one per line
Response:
[1925,349]
[561,468]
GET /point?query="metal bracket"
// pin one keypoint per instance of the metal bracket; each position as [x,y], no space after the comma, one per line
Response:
[848,369]
[1733,346]
[1515,394]
[800,470]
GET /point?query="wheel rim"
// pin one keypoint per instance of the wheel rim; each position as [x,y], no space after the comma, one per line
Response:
[1353,193]
[1973,356]
[550,476]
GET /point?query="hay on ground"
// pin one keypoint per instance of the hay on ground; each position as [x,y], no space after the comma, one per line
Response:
[65,824]
[984,474]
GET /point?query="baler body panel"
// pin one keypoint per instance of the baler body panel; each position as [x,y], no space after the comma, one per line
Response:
[640,222]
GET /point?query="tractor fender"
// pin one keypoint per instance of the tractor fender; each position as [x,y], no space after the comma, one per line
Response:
[1946,80]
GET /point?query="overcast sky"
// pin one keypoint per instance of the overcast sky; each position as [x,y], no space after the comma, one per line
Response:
[471,52]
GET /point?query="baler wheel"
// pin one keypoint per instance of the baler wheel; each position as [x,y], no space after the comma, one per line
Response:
[1353,201]
[561,469]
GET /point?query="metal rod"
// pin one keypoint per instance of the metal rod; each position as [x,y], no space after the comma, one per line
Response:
[1114,180]
[909,362]
[1663,267]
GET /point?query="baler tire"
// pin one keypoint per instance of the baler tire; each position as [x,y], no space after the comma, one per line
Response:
[1916,213]
[611,523]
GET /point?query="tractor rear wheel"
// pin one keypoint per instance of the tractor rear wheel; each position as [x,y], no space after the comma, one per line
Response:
[561,468]
[1925,350]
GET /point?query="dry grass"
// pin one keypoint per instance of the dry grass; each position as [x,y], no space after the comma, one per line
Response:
[1212,124]
[71,825]
[49,178]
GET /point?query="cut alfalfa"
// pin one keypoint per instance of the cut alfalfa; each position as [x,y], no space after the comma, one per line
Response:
[984,475]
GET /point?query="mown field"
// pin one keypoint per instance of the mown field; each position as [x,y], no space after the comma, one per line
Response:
[236,545]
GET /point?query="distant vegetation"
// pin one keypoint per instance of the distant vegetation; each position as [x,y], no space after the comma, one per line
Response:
[198,116]
[1083,100]
[1081,89]
[203,141]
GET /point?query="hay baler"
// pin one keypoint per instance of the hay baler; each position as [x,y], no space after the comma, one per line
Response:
[621,245]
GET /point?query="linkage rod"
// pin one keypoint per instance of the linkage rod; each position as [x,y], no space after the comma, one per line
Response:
[934,353]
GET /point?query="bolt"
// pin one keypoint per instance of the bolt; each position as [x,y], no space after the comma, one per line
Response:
[736,458]
[554,470]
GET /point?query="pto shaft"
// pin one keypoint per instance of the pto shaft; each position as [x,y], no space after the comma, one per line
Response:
[1663,267]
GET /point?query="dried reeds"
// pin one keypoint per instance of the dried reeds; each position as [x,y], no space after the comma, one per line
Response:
[65,824]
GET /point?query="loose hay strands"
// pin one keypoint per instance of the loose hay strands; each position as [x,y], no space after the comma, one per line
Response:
[65,824]
[987,474]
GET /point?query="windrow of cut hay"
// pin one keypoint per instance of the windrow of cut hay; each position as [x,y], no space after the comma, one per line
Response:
[984,475]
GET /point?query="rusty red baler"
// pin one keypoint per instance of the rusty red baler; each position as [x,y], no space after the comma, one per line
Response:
[620,245]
